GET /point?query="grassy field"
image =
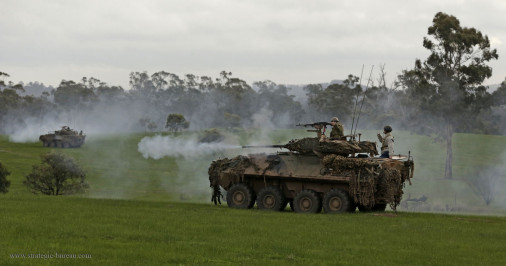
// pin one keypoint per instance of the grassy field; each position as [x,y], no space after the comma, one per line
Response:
[144,211]
[125,232]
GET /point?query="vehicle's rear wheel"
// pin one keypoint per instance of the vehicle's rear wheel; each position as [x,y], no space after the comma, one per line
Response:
[240,196]
[270,198]
[307,201]
[336,201]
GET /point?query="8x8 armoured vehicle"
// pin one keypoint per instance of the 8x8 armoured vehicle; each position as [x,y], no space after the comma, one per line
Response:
[64,138]
[338,175]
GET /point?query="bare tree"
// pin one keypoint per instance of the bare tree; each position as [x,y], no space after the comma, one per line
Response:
[485,183]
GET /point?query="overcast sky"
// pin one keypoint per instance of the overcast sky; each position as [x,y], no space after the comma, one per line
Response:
[288,42]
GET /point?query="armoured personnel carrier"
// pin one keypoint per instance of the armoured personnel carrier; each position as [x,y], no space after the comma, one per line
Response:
[315,173]
[64,138]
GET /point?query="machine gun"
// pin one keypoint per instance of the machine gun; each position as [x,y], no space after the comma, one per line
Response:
[318,127]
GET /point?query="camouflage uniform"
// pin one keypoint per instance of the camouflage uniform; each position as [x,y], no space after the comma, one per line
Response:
[337,131]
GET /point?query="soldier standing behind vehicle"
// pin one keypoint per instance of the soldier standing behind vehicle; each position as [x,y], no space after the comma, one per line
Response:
[337,129]
[387,143]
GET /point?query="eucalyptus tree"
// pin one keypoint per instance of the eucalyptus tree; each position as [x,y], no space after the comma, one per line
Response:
[447,86]
[336,99]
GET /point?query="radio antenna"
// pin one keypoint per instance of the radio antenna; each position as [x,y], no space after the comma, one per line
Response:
[363,98]
[356,100]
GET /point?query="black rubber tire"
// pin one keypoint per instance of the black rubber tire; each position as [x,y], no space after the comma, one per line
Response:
[336,201]
[307,201]
[240,196]
[271,199]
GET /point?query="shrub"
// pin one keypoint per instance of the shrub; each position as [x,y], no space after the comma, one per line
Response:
[58,174]
[176,122]
[4,183]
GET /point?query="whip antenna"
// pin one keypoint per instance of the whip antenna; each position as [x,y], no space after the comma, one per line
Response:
[363,98]
[356,100]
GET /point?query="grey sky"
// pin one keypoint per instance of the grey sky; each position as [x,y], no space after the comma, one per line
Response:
[288,41]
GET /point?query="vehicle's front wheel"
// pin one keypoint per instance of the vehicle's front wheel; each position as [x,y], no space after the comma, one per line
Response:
[307,201]
[270,198]
[240,196]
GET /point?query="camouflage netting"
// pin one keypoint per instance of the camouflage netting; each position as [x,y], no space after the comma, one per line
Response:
[390,186]
[66,131]
[370,180]
[368,147]
[273,160]
[308,145]
[238,164]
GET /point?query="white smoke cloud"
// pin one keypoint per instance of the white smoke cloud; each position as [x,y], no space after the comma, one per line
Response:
[263,119]
[31,128]
[158,146]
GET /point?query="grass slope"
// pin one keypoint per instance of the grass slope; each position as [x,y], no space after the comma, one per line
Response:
[161,219]
[123,232]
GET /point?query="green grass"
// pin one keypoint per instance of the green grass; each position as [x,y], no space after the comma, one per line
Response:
[153,233]
[150,212]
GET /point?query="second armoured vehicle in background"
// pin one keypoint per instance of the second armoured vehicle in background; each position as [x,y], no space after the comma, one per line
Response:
[338,175]
[64,138]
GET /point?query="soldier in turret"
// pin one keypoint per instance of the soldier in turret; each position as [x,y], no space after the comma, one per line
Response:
[387,143]
[337,129]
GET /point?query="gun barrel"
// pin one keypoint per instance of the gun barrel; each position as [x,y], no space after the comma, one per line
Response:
[263,146]
[314,124]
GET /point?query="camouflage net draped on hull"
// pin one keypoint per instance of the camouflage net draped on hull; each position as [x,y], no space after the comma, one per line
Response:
[308,145]
[368,147]
[371,181]
[238,164]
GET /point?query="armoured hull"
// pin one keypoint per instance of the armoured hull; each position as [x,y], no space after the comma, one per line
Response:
[65,138]
[308,181]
